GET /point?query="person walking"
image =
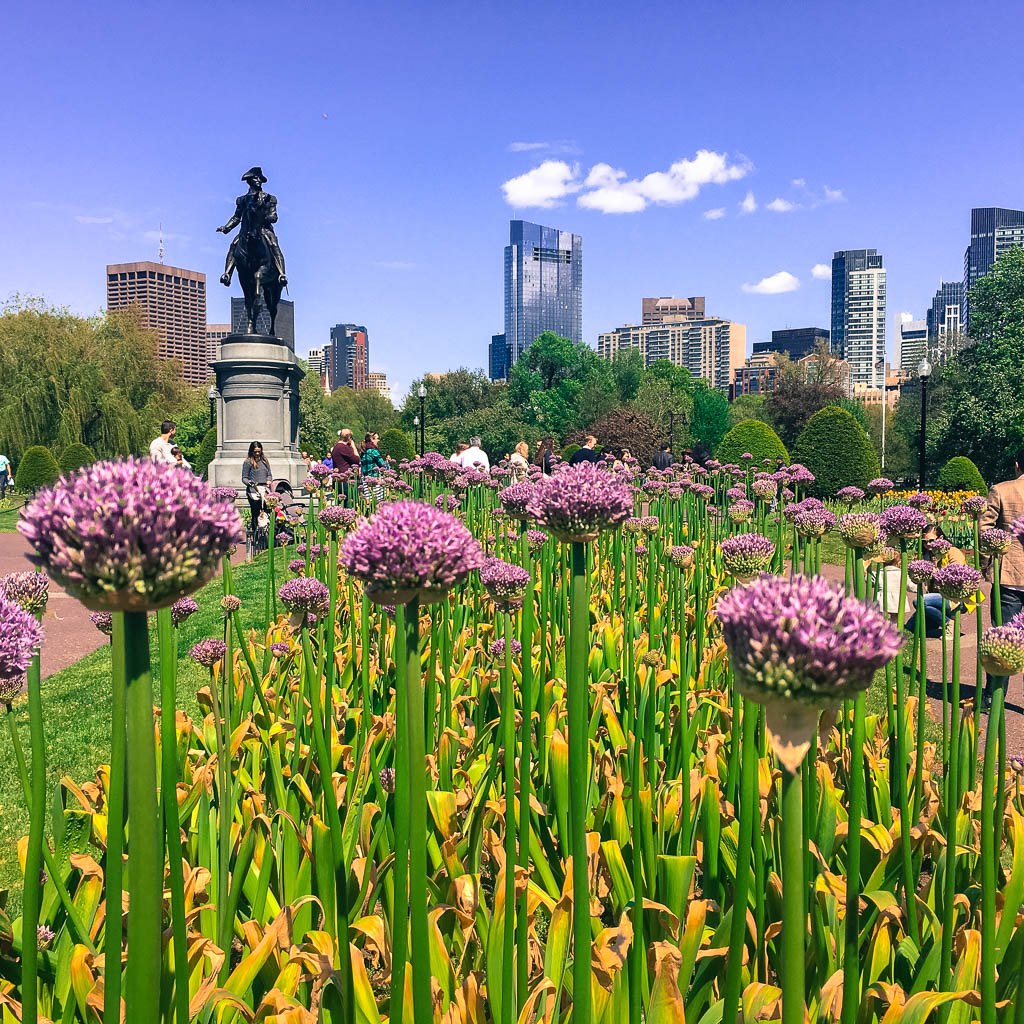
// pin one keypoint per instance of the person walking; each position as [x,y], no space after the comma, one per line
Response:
[371,463]
[663,459]
[519,462]
[586,453]
[160,447]
[474,457]
[5,475]
[545,455]
[1005,507]
[255,477]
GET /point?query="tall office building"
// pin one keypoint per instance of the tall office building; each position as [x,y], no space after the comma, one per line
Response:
[911,344]
[943,315]
[655,311]
[173,304]
[993,231]
[796,341]
[498,358]
[284,326]
[711,348]
[215,334]
[543,285]
[379,382]
[858,314]
[349,362]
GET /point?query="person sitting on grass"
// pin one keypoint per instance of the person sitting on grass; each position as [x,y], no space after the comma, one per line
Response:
[935,607]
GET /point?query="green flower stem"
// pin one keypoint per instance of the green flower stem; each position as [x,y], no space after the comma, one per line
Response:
[508,742]
[921,666]
[400,915]
[417,786]
[145,852]
[748,809]
[989,860]
[364,663]
[793,920]
[33,890]
[525,769]
[169,798]
[113,868]
[952,810]
[272,559]
[579,646]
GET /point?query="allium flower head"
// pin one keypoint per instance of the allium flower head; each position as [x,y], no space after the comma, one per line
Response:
[650,525]
[497,649]
[860,529]
[1002,651]
[515,498]
[103,621]
[505,583]
[736,493]
[230,603]
[682,556]
[741,511]
[387,780]
[409,549]
[938,545]
[208,652]
[640,550]
[337,517]
[702,491]
[20,635]
[28,590]
[436,463]
[182,609]
[130,535]
[44,936]
[311,484]
[297,565]
[920,571]
[747,457]
[536,539]
[631,525]
[849,495]
[447,503]
[1016,763]
[747,554]
[919,499]
[956,582]
[880,485]
[1017,529]
[902,521]
[799,474]
[280,648]
[319,471]
[304,594]
[764,490]
[272,500]
[994,541]
[975,505]
[580,502]
[228,494]
[812,521]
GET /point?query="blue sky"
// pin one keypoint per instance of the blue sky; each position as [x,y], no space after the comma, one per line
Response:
[896,118]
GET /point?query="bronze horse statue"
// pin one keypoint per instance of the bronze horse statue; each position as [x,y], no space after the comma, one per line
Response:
[255,252]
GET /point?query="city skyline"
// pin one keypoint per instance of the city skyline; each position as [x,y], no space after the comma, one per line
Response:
[723,192]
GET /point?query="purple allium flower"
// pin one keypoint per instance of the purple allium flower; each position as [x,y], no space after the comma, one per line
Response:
[497,649]
[736,493]
[880,485]
[860,529]
[536,539]
[436,463]
[401,487]
[103,621]
[812,521]
[20,635]
[764,490]
[654,486]
[409,549]
[447,503]
[319,471]
[902,522]
[130,535]
[919,499]
[975,505]
[208,652]
[579,502]
[311,484]
[297,565]
[682,556]
[230,603]
[994,541]
[650,525]
[803,639]
[44,936]
[387,780]
[631,525]
[956,582]
[741,510]
[799,474]
[640,550]
[787,494]
[515,499]
[1016,763]
[747,457]
[304,594]
[280,648]
[272,500]
[1017,529]
[702,491]
[938,546]
[183,609]
[505,583]
[337,517]
[849,495]
[1002,651]
[28,590]
[747,554]
[228,494]
[920,571]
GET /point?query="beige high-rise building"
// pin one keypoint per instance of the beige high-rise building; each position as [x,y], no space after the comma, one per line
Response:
[378,382]
[708,347]
[655,311]
[215,334]
[173,303]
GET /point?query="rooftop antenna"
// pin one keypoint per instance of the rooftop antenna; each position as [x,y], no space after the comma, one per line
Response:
[161,251]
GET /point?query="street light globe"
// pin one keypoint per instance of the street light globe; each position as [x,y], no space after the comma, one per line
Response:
[924,369]
[423,391]
[415,421]
[212,393]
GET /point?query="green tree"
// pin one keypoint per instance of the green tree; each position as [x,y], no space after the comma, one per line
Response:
[206,453]
[628,373]
[315,434]
[960,474]
[359,411]
[448,395]
[623,428]
[396,444]
[801,389]
[834,447]
[37,468]
[75,456]
[499,430]
[710,420]
[747,407]
[856,409]
[754,437]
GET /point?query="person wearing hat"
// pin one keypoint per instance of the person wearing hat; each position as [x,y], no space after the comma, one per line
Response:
[256,211]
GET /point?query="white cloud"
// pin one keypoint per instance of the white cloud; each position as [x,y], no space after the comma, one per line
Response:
[834,195]
[821,272]
[394,264]
[799,182]
[543,186]
[905,318]
[83,219]
[780,205]
[778,283]
[717,214]
[525,147]
[748,204]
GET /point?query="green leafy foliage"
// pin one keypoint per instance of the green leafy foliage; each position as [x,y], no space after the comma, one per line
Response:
[748,407]
[835,448]
[75,456]
[801,389]
[359,411]
[315,435]
[628,373]
[37,468]
[500,429]
[960,474]
[206,453]
[569,451]
[754,437]
[710,420]
[448,395]
[396,444]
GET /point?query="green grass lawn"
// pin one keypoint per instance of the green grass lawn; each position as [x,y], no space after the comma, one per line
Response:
[9,516]
[76,709]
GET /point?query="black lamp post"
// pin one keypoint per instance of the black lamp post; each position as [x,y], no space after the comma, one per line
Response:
[416,432]
[423,419]
[924,369]
[212,396]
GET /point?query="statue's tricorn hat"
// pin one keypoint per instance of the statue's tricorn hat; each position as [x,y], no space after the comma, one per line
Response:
[255,172]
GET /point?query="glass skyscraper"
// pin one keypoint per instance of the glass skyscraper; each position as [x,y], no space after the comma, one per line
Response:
[993,231]
[543,285]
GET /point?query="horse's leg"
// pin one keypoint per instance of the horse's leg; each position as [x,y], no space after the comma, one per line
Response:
[273,296]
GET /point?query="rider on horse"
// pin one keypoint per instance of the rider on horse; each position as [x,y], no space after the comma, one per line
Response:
[256,211]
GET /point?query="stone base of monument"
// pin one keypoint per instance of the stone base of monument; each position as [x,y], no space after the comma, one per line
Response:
[258,400]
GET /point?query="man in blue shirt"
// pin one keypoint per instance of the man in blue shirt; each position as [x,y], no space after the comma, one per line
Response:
[586,453]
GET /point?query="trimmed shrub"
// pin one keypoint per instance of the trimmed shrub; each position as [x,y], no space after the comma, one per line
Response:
[75,456]
[755,437]
[960,474]
[834,447]
[207,452]
[38,468]
[396,444]
[569,451]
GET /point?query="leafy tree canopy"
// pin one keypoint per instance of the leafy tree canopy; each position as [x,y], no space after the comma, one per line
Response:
[710,420]
[455,393]
[801,389]
[834,447]
[359,411]
[315,434]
